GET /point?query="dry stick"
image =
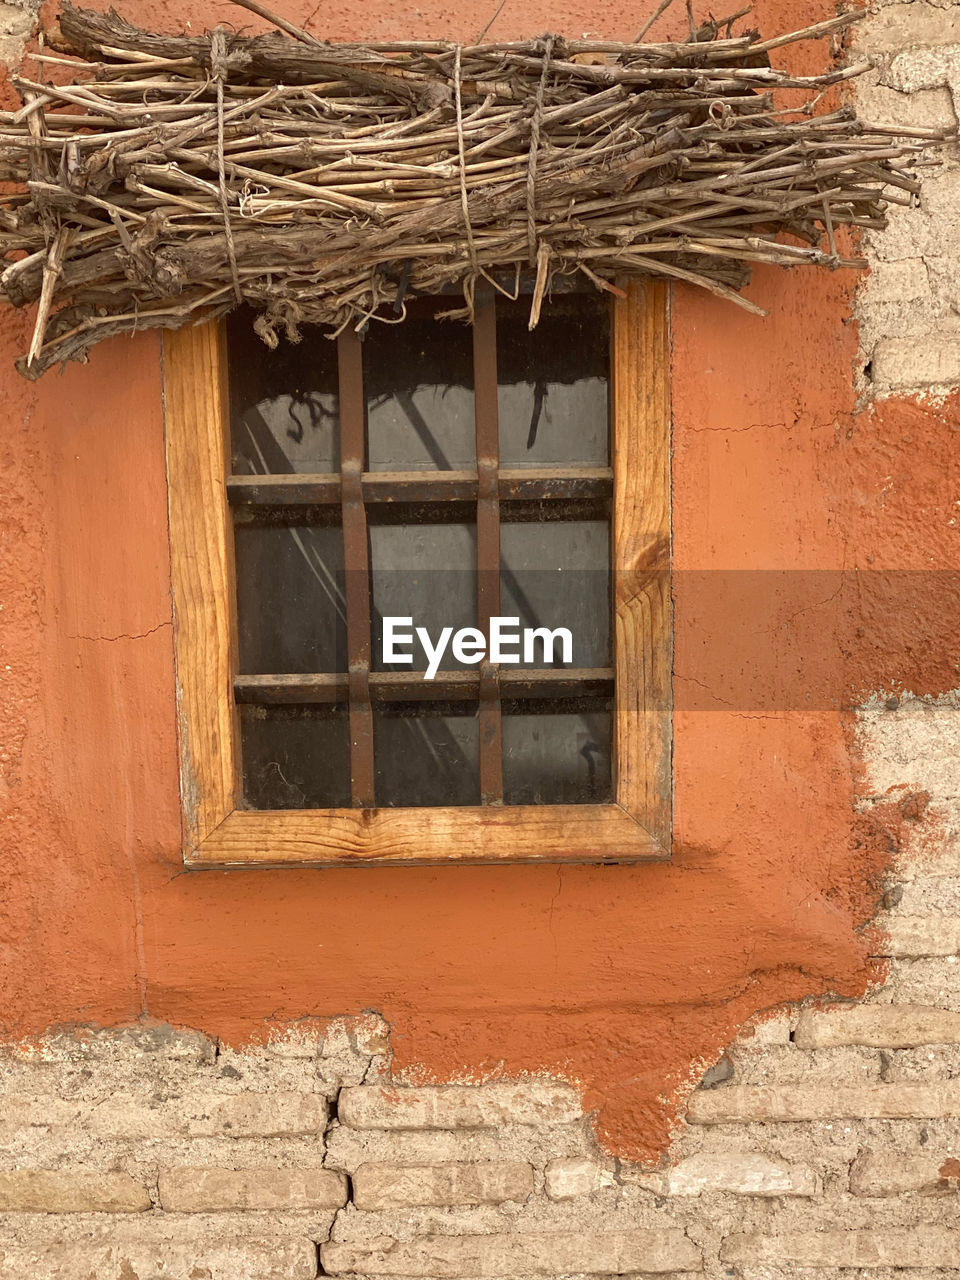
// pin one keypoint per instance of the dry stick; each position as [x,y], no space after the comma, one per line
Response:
[532,164]
[576,179]
[282,24]
[51,271]
[815,32]
[828,223]
[540,288]
[662,8]
[729,21]
[496,15]
[218,53]
[464,201]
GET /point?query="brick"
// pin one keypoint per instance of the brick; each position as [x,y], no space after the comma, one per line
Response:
[775,1030]
[71,1191]
[398,1186]
[928,109]
[923,68]
[911,936]
[298,1041]
[209,1190]
[915,362]
[745,1103]
[139,1115]
[116,1044]
[741,1173]
[342,1061]
[16,26]
[108,1258]
[132,1116]
[940,195]
[892,1173]
[901,281]
[529,1254]
[937,894]
[26,1111]
[879,1026]
[574,1176]
[877,1247]
[261,1115]
[897,25]
[458,1107]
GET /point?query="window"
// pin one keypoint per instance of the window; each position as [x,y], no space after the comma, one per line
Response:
[331,496]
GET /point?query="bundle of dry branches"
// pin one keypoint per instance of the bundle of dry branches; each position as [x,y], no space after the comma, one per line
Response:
[174,176]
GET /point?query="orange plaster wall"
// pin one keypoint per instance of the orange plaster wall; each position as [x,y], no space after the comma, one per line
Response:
[623,978]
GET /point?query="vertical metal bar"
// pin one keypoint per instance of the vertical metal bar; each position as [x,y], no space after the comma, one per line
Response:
[488,534]
[357,564]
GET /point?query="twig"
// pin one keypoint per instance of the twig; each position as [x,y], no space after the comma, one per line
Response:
[282,24]
[496,15]
[51,271]
[328,183]
[464,200]
[661,8]
[218,53]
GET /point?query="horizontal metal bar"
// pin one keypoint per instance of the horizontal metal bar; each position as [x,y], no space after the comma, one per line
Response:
[284,490]
[540,485]
[406,686]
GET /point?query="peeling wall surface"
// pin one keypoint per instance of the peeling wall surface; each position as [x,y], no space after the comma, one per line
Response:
[233,1103]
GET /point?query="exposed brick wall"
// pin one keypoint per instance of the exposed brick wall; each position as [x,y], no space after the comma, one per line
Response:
[17,20]
[826,1139]
[910,304]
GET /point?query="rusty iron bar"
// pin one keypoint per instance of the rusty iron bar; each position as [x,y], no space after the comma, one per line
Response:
[552,484]
[356,556]
[533,683]
[487,419]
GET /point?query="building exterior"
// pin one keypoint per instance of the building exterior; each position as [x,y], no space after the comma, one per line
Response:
[743,1060]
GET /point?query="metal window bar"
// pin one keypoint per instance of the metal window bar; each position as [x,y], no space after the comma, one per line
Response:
[548,484]
[528,683]
[352,489]
[486,412]
[357,564]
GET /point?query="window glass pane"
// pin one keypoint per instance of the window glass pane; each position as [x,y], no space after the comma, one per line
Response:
[295,757]
[427,573]
[284,414]
[554,575]
[553,382]
[426,754]
[418,378]
[290,599]
[557,758]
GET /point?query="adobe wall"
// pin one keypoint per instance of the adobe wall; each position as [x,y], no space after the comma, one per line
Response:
[815,469]
[825,1141]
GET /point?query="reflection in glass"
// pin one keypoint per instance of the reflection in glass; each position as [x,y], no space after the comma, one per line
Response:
[284,411]
[560,758]
[426,572]
[426,754]
[556,574]
[418,377]
[295,757]
[291,607]
[553,382]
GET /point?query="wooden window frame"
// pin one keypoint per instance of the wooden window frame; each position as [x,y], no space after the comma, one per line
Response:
[218,833]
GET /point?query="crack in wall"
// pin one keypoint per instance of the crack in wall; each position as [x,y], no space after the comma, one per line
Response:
[123,635]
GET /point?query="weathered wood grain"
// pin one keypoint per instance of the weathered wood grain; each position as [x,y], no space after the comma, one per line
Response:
[200,556]
[641,410]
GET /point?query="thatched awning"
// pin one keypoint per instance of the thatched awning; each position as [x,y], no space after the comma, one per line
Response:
[166,177]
